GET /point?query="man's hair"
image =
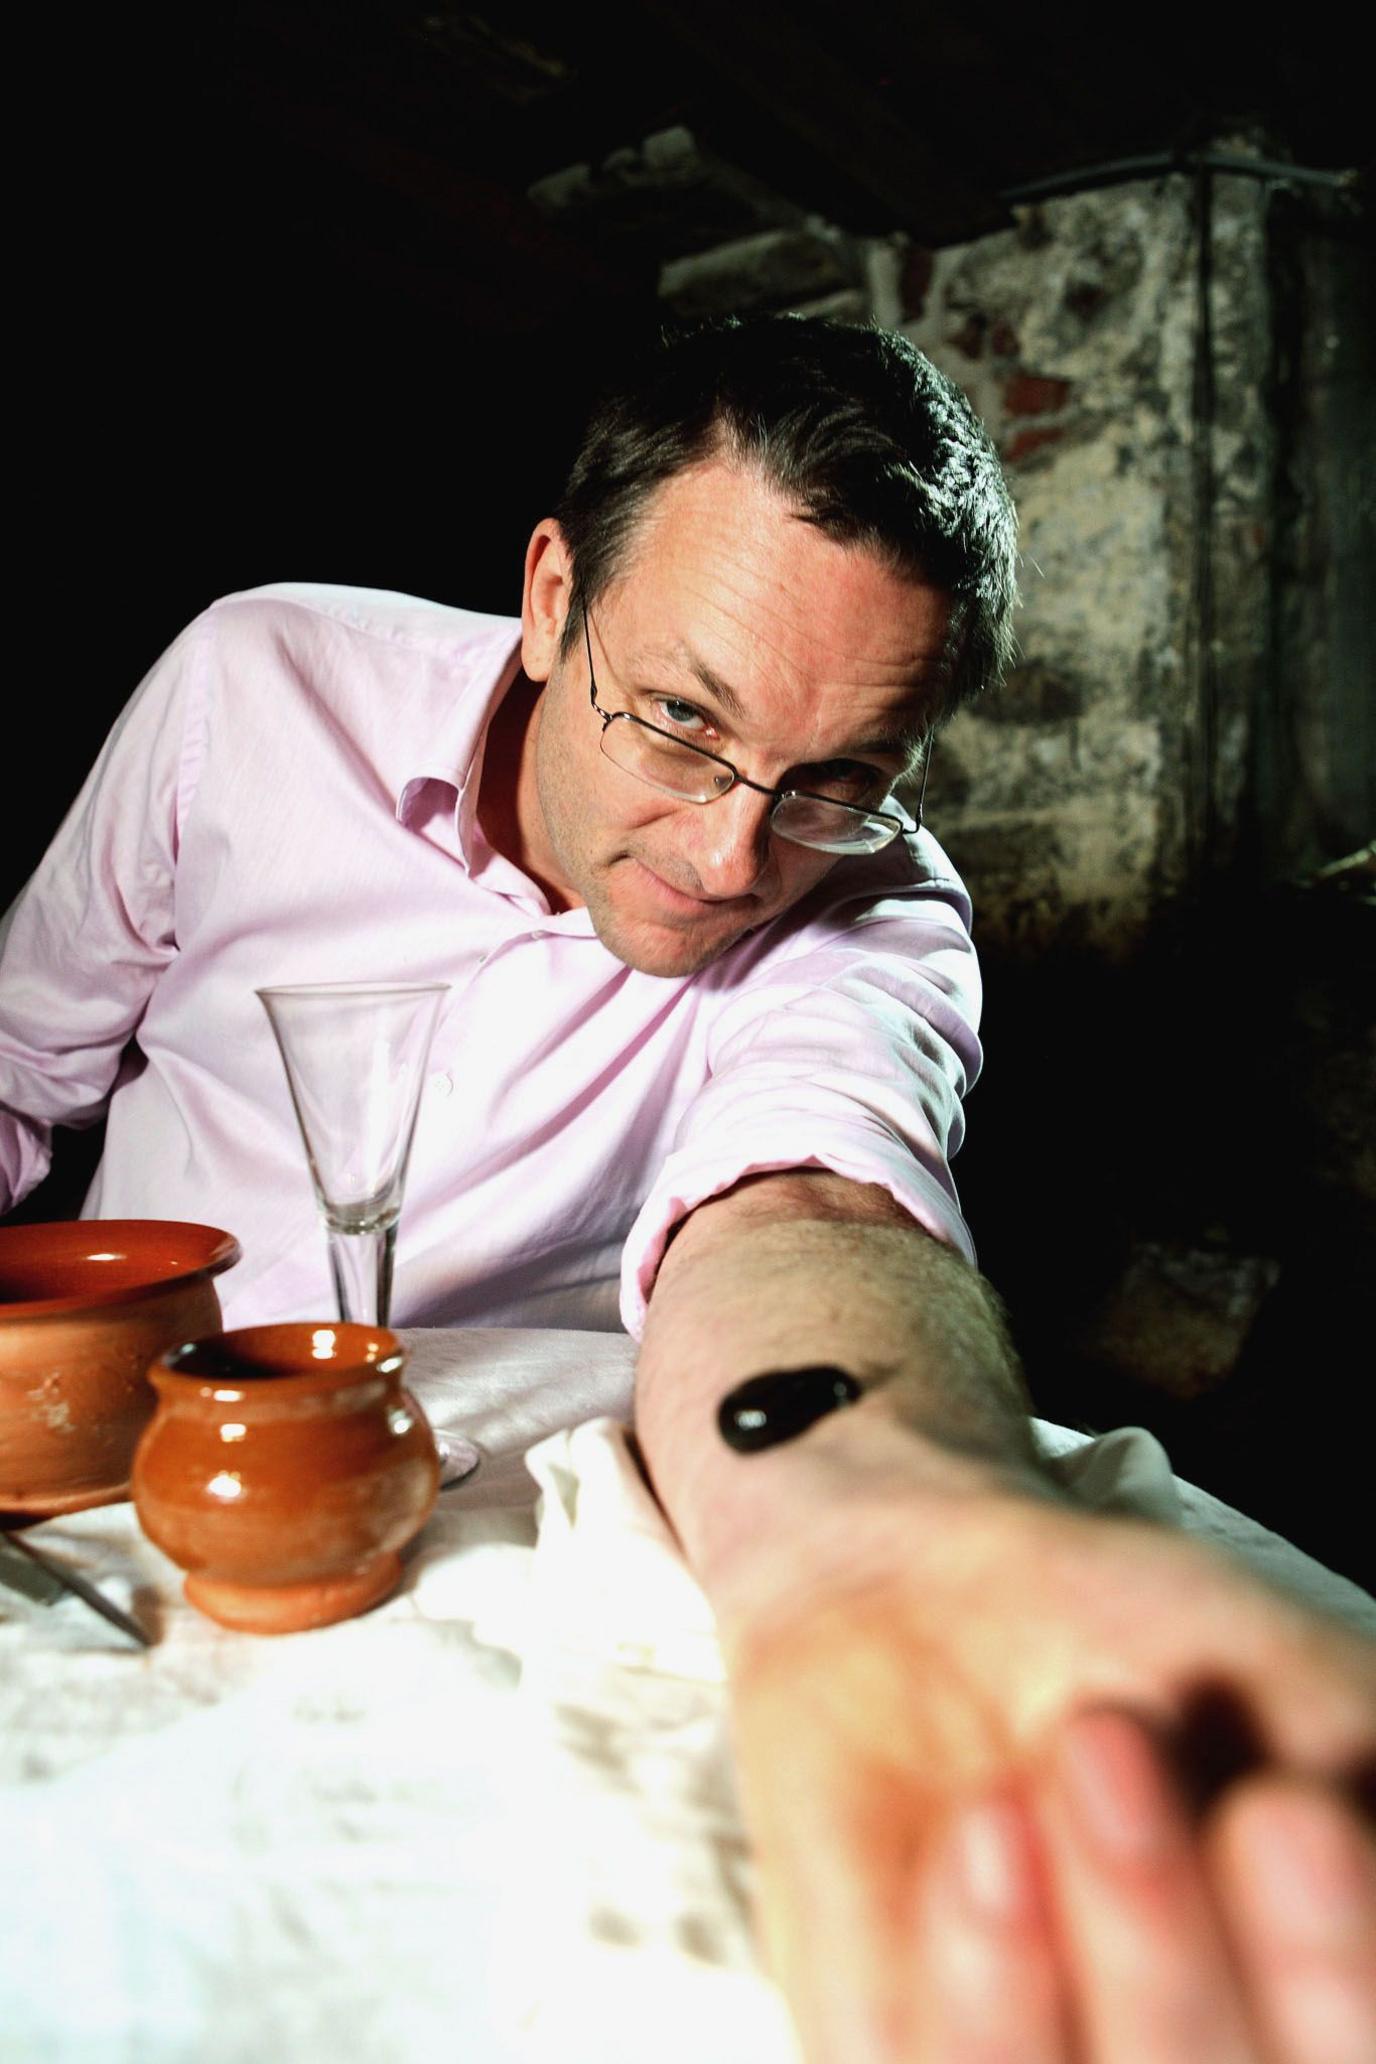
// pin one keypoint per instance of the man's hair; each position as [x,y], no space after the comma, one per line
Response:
[851,424]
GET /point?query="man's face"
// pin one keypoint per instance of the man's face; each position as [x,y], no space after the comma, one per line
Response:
[744,629]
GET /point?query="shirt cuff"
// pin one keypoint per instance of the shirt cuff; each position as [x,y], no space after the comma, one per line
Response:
[690,1177]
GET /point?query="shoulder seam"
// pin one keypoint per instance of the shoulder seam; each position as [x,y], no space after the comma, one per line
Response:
[324,615]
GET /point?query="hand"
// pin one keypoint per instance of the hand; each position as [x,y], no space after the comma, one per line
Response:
[1060,1789]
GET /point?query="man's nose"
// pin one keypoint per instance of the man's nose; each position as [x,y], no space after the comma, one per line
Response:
[732,851]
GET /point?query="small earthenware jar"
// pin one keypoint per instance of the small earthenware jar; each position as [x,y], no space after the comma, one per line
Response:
[85,1304]
[283,1470]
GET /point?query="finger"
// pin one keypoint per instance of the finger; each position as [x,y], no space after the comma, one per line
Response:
[990,1990]
[1296,1875]
[1142,1945]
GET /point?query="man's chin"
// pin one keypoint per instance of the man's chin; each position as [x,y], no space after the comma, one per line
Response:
[653,949]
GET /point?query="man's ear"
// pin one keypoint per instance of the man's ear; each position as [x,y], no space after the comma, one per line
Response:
[545,599]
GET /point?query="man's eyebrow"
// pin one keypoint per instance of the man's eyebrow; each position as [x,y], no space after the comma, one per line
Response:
[679,655]
[891,745]
[898,745]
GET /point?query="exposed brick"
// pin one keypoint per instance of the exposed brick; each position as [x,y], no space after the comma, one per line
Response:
[1003,341]
[1032,394]
[1028,441]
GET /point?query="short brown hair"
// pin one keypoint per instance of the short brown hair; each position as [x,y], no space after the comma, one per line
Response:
[852,423]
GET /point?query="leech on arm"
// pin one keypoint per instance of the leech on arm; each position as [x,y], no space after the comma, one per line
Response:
[781,1404]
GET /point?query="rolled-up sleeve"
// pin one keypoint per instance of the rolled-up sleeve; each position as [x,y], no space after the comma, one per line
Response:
[852,1056]
[82,947]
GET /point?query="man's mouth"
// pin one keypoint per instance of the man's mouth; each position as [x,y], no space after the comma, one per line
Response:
[679,899]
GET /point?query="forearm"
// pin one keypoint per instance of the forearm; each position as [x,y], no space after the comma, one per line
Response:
[961,1706]
[811,1269]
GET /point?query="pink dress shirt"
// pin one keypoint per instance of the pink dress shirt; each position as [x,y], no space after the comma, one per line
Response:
[291,796]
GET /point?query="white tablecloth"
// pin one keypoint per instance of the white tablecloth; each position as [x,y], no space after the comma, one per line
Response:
[491,1820]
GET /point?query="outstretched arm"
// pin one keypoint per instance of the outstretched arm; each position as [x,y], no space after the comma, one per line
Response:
[979,1729]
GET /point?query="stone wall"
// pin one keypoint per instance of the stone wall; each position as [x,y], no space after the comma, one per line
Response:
[1112,764]
[1187,423]
[1087,790]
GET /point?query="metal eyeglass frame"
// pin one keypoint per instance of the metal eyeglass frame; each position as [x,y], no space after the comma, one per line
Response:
[738,779]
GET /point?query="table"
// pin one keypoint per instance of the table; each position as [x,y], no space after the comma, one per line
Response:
[493,1819]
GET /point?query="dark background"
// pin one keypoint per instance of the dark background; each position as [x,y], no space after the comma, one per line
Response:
[288,312]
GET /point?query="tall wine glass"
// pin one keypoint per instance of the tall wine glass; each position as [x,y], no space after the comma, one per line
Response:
[355,1055]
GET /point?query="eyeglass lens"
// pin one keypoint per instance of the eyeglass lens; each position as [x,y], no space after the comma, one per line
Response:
[678,769]
[664,761]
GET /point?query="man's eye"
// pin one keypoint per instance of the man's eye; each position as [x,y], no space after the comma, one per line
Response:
[681,715]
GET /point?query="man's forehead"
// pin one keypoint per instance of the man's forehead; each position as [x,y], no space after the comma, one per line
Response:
[722,525]
[891,718]
[729,588]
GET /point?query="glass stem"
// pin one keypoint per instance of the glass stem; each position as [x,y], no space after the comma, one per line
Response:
[361,1264]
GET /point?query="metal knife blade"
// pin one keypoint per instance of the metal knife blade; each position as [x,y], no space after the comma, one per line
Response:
[35,1576]
[27,1577]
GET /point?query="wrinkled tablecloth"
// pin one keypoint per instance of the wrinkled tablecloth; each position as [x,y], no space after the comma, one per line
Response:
[492,1820]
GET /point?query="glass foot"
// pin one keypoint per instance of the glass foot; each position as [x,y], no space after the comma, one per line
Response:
[458,1458]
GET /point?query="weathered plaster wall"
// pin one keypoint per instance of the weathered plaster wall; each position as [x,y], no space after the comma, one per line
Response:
[1316,749]
[1085,792]
[1112,765]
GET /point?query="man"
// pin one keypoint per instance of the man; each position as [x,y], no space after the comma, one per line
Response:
[704,1014]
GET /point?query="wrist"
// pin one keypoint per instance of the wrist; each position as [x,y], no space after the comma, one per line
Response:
[830,1511]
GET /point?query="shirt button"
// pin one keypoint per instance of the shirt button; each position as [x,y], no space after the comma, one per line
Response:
[441,1084]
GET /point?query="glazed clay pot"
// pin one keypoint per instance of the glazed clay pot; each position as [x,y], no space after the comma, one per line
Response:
[85,1305]
[283,1470]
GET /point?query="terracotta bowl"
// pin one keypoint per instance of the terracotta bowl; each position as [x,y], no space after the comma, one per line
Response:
[84,1306]
[284,1469]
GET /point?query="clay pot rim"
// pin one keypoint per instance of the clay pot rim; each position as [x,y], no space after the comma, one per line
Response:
[221,1255]
[334,1373]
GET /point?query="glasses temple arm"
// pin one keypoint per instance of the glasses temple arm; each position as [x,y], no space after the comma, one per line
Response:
[926,766]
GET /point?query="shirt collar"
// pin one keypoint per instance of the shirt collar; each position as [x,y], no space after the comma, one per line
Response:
[445,773]
[451,753]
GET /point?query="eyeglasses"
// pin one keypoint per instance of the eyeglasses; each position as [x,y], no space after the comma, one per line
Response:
[670,764]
